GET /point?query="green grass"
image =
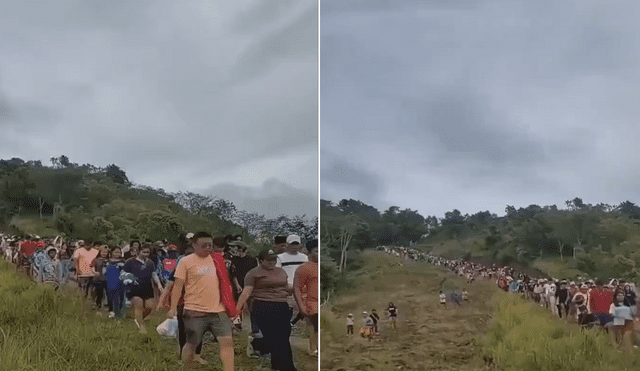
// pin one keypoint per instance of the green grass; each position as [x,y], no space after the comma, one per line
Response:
[525,337]
[42,330]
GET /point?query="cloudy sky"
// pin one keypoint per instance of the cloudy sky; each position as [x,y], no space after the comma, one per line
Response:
[474,105]
[214,97]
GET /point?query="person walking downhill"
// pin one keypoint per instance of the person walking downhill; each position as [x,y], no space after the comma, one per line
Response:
[208,300]
[350,324]
[82,258]
[100,279]
[622,321]
[115,289]
[268,286]
[305,291]
[290,260]
[367,329]
[165,302]
[142,295]
[392,313]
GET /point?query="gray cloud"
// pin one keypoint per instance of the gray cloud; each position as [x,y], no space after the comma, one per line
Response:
[271,199]
[337,173]
[168,89]
[476,105]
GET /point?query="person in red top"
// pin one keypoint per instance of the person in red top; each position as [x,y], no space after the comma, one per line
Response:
[28,247]
[599,301]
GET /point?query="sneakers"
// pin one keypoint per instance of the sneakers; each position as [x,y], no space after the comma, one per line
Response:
[112,315]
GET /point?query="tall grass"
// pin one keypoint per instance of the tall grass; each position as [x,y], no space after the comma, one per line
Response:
[41,330]
[527,337]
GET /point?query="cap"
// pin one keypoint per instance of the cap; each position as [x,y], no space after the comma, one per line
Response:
[293,238]
[189,235]
[172,247]
[266,253]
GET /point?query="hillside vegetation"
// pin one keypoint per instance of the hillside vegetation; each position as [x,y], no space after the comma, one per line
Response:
[100,203]
[494,330]
[601,241]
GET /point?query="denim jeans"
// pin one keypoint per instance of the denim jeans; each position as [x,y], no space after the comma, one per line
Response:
[115,297]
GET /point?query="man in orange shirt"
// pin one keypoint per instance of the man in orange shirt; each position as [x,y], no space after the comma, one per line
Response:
[204,300]
[82,258]
[305,291]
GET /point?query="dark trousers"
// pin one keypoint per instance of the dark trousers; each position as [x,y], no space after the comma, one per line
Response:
[182,334]
[274,321]
[100,287]
[115,298]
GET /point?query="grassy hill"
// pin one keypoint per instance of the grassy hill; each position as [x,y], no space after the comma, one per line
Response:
[46,331]
[428,337]
[493,331]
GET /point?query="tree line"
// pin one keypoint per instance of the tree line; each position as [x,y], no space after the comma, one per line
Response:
[583,238]
[102,203]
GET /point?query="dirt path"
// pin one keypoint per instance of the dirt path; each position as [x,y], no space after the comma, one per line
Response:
[428,336]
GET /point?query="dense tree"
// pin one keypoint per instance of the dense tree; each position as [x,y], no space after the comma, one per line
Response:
[116,174]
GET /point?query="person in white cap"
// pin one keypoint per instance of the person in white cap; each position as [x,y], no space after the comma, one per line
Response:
[290,260]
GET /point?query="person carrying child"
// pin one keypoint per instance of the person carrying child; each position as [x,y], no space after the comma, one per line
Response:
[367,330]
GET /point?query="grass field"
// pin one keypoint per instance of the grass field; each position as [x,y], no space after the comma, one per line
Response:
[493,331]
[44,330]
[428,336]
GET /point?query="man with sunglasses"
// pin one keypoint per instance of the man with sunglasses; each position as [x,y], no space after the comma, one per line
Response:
[207,296]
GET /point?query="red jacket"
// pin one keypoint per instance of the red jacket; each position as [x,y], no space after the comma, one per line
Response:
[226,293]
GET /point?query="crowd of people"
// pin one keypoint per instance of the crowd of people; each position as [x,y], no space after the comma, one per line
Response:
[205,283]
[609,305]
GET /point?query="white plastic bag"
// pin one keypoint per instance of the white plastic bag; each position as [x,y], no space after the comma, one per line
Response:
[168,328]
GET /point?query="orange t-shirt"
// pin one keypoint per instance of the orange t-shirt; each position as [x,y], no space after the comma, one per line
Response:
[201,286]
[84,258]
[307,281]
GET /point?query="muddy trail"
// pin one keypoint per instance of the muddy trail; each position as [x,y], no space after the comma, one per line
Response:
[429,336]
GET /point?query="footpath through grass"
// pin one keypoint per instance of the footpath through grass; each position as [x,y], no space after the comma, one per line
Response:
[493,331]
[44,330]
[428,336]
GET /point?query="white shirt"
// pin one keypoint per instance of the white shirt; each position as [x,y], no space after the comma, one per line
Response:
[290,263]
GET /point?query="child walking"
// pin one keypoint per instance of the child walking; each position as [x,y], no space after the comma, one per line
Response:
[350,324]
[115,287]
[443,299]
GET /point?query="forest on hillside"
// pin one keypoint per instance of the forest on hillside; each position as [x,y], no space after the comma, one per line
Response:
[582,239]
[100,203]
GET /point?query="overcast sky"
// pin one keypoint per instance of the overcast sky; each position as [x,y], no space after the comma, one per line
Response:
[475,105]
[215,97]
